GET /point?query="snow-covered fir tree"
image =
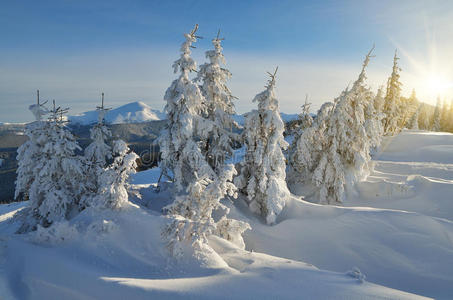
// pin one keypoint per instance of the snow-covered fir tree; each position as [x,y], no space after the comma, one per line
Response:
[30,151]
[413,122]
[379,101]
[436,116]
[97,153]
[424,117]
[307,147]
[373,117]
[190,215]
[392,100]
[345,156]
[181,157]
[113,183]
[219,103]
[57,187]
[263,173]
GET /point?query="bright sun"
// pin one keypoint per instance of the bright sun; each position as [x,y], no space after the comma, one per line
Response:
[437,85]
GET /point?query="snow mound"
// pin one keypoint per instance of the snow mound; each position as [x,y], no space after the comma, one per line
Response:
[134,112]
[127,260]
[418,146]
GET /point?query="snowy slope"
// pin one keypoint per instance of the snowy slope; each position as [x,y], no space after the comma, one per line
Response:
[413,171]
[134,112]
[120,255]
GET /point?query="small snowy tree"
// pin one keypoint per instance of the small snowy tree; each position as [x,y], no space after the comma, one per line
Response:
[191,215]
[307,147]
[97,153]
[263,173]
[180,154]
[436,116]
[379,101]
[450,118]
[220,108]
[57,187]
[444,119]
[113,189]
[413,122]
[392,99]
[424,117]
[30,152]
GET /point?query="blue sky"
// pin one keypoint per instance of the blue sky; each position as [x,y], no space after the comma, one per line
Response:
[73,50]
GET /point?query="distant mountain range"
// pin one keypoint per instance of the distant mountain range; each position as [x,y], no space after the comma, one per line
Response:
[135,112]
[138,112]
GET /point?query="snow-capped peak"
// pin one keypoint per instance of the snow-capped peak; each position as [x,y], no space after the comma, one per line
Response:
[134,112]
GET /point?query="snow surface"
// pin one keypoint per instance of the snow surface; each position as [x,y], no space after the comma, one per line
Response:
[134,112]
[404,243]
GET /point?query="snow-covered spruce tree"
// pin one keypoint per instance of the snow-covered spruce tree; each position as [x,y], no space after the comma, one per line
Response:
[29,152]
[379,101]
[424,117]
[305,119]
[219,103]
[191,220]
[392,99]
[263,173]
[307,147]
[59,173]
[181,157]
[345,157]
[97,153]
[373,117]
[113,181]
[436,116]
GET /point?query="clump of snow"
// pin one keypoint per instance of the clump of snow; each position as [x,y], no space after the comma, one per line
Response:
[59,232]
[355,273]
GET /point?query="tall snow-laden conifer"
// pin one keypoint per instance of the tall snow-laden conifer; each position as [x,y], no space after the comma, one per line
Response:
[30,151]
[345,156]
[219,103]
[191,220]
[59,174]
[392,100]
[263,173]
[181,157]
